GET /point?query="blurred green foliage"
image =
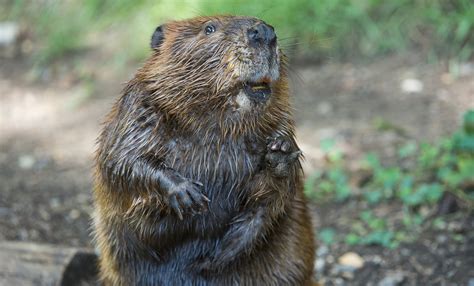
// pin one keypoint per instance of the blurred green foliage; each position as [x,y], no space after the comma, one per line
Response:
[434,170]
[340,29]
[327,235]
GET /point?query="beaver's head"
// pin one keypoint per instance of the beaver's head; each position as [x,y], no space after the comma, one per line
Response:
[220,63]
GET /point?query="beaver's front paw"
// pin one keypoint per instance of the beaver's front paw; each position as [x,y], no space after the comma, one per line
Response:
[282,153]
[186,197]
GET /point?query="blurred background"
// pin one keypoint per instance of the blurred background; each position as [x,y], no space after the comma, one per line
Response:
[384,103]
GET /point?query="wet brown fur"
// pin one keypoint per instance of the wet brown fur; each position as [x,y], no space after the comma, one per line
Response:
[178,116]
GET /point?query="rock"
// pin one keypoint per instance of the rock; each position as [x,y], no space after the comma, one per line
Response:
[345,271]
[44,214]
[392,279]
[405,252]
[322,251]
[22,234]
[351,259]
[9,38]
[324,108]
[455,226]
[375,259]
[319,265]
[55,203]
[330,259]
[411,85]
[9,33]
[26,162]
[4,211]
[441,238]
[74,214]
[339,282]
[466,69]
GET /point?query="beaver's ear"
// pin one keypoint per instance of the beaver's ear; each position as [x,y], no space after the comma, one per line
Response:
[157,37]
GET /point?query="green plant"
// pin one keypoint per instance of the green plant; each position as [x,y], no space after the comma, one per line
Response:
[452,22]
[340,29]
[371,230]
[62,27]
[333,183]
[447,166]
[327,235]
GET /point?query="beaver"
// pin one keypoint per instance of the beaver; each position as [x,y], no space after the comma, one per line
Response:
[198,175]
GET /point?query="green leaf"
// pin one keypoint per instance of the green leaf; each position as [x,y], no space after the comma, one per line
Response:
[383,238]
[434,192]
[326,187]
[439,223]
[309,184]
[468,122]
[463,29]
[327,144]
[413,199]
[343,192]
[327,235]
[448,176]
[373,197]
[377,224]
[406,187]
[372,161]
[464,143]
[407,150]
[466,168]
[366,216]
[352,239]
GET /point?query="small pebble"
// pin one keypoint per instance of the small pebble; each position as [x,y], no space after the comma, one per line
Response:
[4,211]
[351,259]
[324,108]
[405,252]
[322,251]
[392,279]
[23,234]
[411,85]
[441,238]
[339,282]
[54,203]
[74,214]
[9,32]
[330,259]
[26,162]
[44,214]
[376,260]
[319,265]
[345,271]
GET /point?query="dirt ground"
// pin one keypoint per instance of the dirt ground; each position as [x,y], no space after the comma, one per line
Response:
[49,119]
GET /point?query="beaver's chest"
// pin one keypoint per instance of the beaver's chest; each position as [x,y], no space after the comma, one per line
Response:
[216,164]
[224,167]
[226,170]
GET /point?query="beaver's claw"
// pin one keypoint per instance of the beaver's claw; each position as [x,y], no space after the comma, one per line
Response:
[186,197]
[282,153]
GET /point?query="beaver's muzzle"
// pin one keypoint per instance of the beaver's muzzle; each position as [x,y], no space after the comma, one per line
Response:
[264,67]
[261,34]
[258,91]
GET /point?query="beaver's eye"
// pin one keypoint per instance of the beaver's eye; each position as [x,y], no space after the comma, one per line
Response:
[209,29]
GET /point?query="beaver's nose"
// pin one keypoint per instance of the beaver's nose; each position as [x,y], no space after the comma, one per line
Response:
[262,33]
